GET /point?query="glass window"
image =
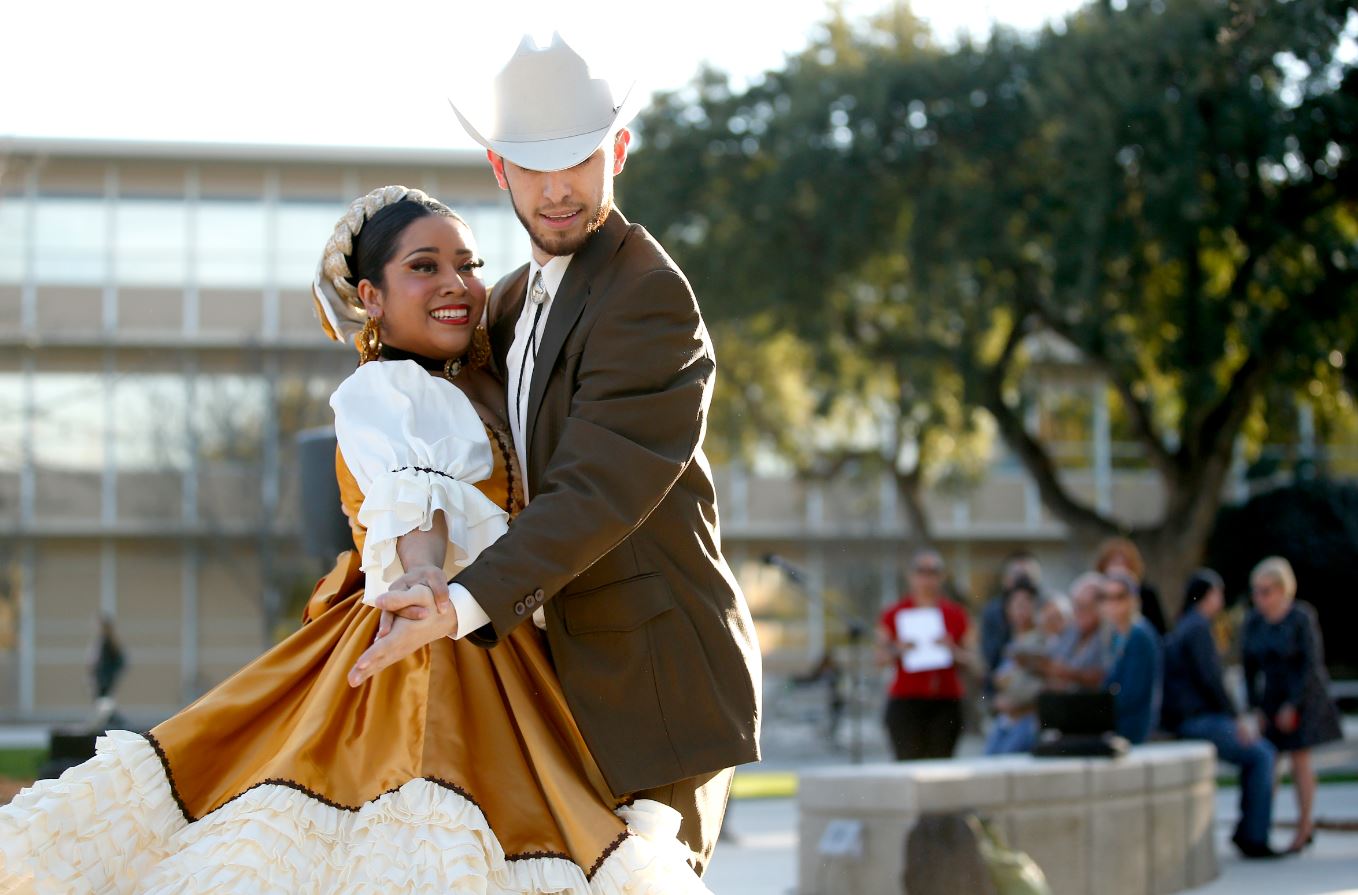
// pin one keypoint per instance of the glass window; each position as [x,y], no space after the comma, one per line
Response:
[150,425]
[71,236]
[150,241]
[11,422]
[12,239]
[228,417]
[303,228]
[231,247]
[68,424]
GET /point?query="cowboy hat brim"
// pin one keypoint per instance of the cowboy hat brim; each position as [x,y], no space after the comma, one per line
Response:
[557,153]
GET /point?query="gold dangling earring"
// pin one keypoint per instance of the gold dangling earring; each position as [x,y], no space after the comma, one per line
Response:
[369,341]
[478,355]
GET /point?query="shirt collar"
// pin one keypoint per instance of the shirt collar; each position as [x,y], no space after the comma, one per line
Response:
[553,272]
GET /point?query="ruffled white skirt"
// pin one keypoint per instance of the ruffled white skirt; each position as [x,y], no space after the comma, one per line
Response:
[111,825]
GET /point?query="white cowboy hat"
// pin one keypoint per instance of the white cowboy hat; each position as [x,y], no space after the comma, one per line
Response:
[547,112]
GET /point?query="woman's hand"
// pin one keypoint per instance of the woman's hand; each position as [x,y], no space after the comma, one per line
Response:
[887,650]
[1287,720]
[403,637]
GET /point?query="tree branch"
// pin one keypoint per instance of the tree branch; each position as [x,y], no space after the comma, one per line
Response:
[1031,452]
[1216,428]
[910,487]
[1139,410]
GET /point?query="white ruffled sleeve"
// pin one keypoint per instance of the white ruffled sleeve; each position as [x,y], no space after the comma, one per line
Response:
[416,447]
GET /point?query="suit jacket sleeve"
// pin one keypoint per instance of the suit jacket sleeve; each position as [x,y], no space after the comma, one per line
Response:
[637,416]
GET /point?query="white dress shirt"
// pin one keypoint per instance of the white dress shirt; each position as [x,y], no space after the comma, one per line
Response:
[520,361]
[523,350]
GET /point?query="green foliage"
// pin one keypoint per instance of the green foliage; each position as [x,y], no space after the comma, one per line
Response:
[1168,189]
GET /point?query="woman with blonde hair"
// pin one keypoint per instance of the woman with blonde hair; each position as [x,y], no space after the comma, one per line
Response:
[1286,680]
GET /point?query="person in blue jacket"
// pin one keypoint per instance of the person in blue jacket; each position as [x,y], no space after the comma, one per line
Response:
[1138,664]
[1197,707]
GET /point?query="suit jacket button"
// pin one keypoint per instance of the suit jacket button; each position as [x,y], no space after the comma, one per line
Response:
[539,595]
[519,608]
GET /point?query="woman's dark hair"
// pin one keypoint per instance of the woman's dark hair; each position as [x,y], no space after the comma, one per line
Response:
[1200,584]
[376,241]
[1023,584]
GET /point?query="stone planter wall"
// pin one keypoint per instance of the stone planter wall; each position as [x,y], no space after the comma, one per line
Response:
[1139,825]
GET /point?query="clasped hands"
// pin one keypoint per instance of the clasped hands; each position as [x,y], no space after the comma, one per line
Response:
[416,611]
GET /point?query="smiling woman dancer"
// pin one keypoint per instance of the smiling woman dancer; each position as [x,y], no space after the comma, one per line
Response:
[461,768]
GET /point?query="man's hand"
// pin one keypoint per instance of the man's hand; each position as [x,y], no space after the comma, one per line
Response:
[416,594]
[403,636]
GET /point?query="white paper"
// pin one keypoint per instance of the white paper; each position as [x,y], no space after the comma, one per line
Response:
[924,629]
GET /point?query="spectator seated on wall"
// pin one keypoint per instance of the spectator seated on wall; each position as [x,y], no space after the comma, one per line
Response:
[1017,683]
[995,631]
[1137,660]
[1080,659]
[1197,707]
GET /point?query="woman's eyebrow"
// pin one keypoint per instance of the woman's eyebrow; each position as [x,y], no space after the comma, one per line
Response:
[422,249]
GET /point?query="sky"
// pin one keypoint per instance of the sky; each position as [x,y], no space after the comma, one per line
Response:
[377,73]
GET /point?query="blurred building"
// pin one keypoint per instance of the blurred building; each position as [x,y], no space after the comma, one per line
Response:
[160,356]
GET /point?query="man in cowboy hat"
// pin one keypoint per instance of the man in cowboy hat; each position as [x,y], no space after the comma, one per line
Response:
[617,556]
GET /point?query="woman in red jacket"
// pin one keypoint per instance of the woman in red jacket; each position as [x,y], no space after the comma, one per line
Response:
[924,708]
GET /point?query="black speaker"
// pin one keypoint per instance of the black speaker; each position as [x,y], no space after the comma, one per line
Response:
[325,528]
[1078,724]
[65,750]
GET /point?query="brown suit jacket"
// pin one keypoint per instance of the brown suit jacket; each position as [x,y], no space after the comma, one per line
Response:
[648,629]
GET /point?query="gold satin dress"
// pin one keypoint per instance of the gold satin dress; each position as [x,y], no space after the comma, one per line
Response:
[460,769]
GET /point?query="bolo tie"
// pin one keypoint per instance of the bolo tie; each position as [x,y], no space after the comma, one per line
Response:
[537,296]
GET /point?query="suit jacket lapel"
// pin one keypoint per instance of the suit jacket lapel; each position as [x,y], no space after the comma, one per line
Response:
[506,303]
[566,309]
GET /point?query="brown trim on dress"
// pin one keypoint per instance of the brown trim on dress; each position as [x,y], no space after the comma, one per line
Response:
[607,853]
[169,775]
[512,505]
[533,855]
[426,469]
[311,793]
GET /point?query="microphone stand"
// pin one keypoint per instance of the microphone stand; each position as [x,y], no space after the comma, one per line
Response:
[855,628]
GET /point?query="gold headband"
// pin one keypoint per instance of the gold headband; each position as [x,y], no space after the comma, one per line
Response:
[342,314]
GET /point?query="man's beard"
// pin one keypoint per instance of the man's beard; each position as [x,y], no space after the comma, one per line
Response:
[559,244]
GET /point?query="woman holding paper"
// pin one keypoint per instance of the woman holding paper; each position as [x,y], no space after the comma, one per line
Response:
[926,636]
